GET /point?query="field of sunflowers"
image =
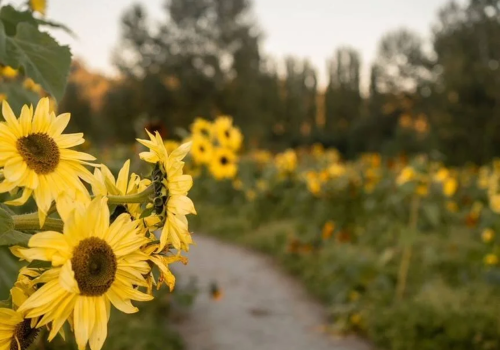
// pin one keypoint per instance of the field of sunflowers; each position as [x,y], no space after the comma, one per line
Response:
[402,251]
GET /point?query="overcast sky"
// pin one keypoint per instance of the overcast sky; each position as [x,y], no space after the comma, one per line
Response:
[305,28]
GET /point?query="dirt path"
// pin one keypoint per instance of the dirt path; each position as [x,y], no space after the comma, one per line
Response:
[261,307]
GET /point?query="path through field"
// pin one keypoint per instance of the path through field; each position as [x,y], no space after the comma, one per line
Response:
[261,307]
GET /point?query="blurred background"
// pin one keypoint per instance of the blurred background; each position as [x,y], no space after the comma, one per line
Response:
[389,77]
[368,169]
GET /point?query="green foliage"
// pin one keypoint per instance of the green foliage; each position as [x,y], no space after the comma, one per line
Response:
[22,44]
[18,95]
[9,236]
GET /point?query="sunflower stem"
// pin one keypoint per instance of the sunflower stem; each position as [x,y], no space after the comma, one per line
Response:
[132,198]
[30,222]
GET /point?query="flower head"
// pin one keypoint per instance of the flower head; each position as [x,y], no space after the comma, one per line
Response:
[94,264]
[223,164]
[226,134]
[35,156]
[171,203]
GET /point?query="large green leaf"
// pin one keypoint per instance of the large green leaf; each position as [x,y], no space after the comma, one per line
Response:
[12,17]
[43,59]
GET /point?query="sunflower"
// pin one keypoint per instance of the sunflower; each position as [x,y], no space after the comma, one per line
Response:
[223,164]
[106,184]
[286,162]
[201,150]
[17,331]
[35,155]
[171,187]
[94,264]
[227,135]
[201,127]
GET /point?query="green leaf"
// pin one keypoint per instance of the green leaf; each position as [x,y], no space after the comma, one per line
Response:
[6,222]
[57,25]
[43,59]
[7,209]
[14,237]
[9,236]
[40,264]
[17,95]
[8,271]
[12,17]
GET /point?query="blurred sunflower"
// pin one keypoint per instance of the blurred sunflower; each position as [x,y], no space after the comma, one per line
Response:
[35,155]
[94,264]
[39,6]
[226,134]
[201,150]
[286,162]
[223,164]
[202,127]
[171,145]
[9,72]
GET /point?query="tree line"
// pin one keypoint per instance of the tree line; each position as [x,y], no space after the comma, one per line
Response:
[438,96]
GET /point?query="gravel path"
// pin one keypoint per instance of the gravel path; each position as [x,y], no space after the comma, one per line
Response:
[261,307]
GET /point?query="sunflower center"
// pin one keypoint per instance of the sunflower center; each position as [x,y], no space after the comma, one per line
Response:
[202,149]
[227,133]
[224,160]
[24,334]
[40,152]
[94,264]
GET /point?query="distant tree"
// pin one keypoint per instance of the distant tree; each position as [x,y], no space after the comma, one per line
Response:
[342,97]
[466,41]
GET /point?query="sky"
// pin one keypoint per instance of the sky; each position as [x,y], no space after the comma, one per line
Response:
[310,29]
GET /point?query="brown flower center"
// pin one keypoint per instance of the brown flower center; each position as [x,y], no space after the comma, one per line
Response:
[24,334]
[94,264]
[224,160]
[40,152]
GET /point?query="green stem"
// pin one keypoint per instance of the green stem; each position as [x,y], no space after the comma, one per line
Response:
[132,198]
[30,222]
[404,267]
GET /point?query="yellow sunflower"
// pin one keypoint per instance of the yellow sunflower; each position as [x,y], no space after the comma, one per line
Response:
[201,150]
[226,134]
[202,127]
[35,156]
[223,164]
[17,331]
[106,184]
[94,264]
[286,162]
[171,187]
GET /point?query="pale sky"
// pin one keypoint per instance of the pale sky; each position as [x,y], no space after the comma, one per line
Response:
[305,28]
